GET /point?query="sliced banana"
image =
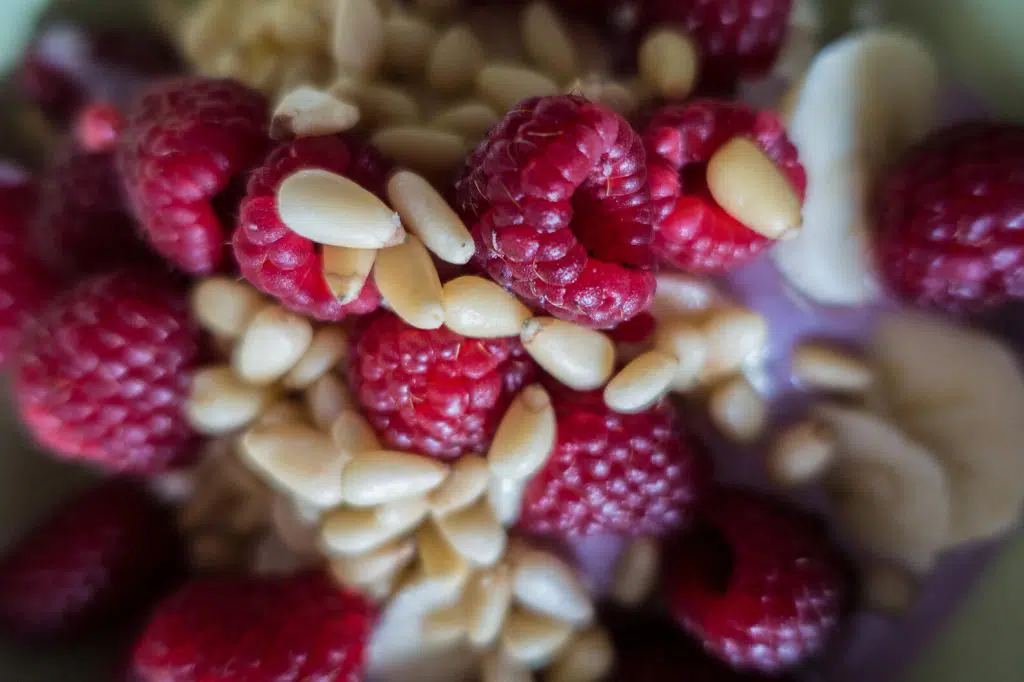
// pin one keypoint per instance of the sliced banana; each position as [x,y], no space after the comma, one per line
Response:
[862,102]
[889,492]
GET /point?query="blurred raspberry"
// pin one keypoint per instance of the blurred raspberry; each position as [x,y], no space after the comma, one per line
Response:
[97,127]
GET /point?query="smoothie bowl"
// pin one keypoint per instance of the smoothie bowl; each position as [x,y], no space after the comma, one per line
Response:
[464,340]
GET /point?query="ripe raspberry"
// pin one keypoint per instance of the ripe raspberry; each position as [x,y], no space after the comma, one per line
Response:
[97,127]
[279,262]
[237,629]
[560,207]
[99,557]
[627,474]
[759,584]
[186,146]
[103,373]
[692,232]
[434,392]
[950,217]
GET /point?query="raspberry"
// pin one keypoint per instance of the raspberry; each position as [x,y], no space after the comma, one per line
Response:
[185,146]
[627,474]
[558,200]
[692,232]
[949,219]
[102,375]
[758,584]
[279,262]
[97,127]
[434,392]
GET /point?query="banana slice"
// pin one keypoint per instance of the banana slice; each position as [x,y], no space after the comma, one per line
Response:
[961,393]
[863,101]
[890,493]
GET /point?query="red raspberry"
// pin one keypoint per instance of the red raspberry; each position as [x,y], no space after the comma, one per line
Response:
[102,375]
[237,629]
[692,232]
[759,585]
[279,262]
[101,556]
[613,473]
[98,126]
[950,218]
[434,392]
[560,207]
[185,147]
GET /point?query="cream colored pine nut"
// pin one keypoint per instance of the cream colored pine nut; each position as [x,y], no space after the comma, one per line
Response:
[224,306]
[466,483]
[445,626]
[480,309]
[220,402]
[346,270]
[308,112]
[271,345]
[525,437]
[284,411]
[298,459]
[328,348]
[380,106]
[357,39]
[472,120]
[442,570]
[737,411]
[668,61]
[547,41]
[381,476]
[408,280]
[733,336]
[294,532]
[358,531]
[580,358]
[683,296]
[475,533]
[753,190]
[296,26]
[488,599]
[505,496]
[328,208]
[326,399]
[588,658]
[203,28]
[532,639]
[496,667]
[433,153]
[408,40]
[455,59]
[503,86]
[546,585]
[688,345]
[616,96]
[641,383]
[826,368]
[802,453]
[375,566]
[887,589]
[636,572]
[353,434]
[425,213]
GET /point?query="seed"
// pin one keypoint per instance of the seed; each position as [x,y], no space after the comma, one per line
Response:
[466,483]
[284,411]
[588,658]
[455,60]
[738,411]
[328,208]
[532,639]
[271,345]
[298,459]
[446,626]
[408,41]
[545,585]
[357,39]
[353,434]
[379,105]
[346,270]
[547,41]
[641,383]
[204,27]
[488,598]
[426,214]
[751,188]
[375,566]
[472,120]
[326,399]
[688,346]
[308,112]
[503,86]
[525,437]
[506,499]
[475,533]
[296,26]
[358,531]
[407,278]
[680,295]
[380,476]
[580,358]
[224,306]
[442,572]
[827,368]
[328,348]
[887,589]
[220,402]
[733,336]
[433,153]
[636,572]
[802,453]
[616,96]
[480,309]
[294,532]
[668,63]
[496,667]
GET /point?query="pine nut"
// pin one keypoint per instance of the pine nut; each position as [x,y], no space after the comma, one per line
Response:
[407,278]
[641,383]
[357,39]
[346,270]
[380,106]
[408,41]
[733,336]
[455,60]
[442,572]
[480,309]
[588,658]
[475,533]
[738,411]
[751,188]
[616,96]
[220,402]
[636,572]
[444,627]
[680,295]
[326,399]
[545,585]
[203,28]
[688,346]
[425,213]
[525,437]
[298,459]
[328,208]
[284,411]
[271,345]
[547,41]
[353,434]
[224,306]
[580,358]
[802,453]
[826,368]
[466,483]
[375,566]
[533,640]
[308,112]
[373,478]
[472,120]
[503,86]
[668,62]
[506,499]
[887,589]
[294,532]
[358,531]
[328,348]
[497,667]
[433,153]
[488,599]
